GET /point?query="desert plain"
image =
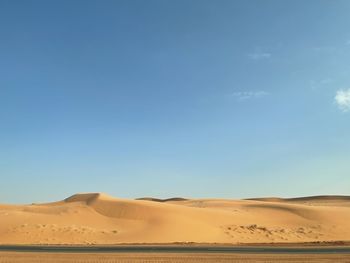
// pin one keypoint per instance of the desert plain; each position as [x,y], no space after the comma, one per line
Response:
[96,218]
[90,219]
[168,258]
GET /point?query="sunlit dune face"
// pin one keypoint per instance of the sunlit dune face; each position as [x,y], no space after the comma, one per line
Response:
[101,219]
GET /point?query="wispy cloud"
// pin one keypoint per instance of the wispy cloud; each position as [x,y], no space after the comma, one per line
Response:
[318,84]
[342,99]
[326,81]
[259,55]
[325,49]
[246,95]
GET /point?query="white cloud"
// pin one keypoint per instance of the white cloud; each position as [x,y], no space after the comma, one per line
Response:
[246,95]
[259,55]
[342,98]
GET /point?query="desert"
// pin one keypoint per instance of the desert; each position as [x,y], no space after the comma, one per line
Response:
[174,131]
[99,219]
[167,258]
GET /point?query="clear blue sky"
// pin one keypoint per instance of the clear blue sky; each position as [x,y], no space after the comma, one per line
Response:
[174,98]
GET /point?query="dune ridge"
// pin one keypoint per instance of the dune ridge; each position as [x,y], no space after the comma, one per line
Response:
[162,200]
[315,198]
[97,218]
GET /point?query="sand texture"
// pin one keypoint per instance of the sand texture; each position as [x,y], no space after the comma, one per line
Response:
[100,219]
[167,258]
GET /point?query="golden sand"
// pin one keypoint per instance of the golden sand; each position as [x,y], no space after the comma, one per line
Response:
[100,219]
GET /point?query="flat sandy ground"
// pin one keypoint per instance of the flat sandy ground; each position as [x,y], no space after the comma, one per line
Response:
[164,258]
[100,219]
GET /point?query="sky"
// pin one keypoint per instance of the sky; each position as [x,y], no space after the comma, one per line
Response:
[226,99]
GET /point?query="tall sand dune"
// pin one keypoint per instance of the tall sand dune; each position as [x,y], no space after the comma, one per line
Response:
[96,218]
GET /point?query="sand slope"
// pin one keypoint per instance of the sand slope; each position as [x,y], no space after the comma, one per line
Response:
[96,218]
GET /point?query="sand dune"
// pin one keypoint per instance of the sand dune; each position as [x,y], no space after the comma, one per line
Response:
[332,200]
[97,218]
[162,200]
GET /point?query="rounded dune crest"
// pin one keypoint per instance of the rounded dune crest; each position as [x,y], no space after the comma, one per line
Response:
[119,208]
[88,198]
